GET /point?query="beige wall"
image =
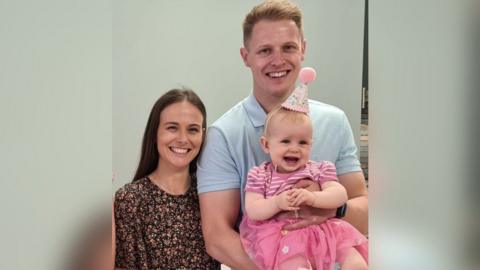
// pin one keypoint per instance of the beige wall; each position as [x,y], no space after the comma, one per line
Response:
[159,45]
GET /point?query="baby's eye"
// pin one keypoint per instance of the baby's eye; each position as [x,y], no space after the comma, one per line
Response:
[285,141]
[303,142]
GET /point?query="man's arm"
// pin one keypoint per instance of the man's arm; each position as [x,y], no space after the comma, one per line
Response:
[357,204]
[351,177]
[219,212]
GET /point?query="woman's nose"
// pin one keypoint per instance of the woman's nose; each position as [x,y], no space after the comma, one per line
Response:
[182,136]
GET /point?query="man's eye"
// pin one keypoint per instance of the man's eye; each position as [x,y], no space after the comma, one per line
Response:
[290,48]
[264,51]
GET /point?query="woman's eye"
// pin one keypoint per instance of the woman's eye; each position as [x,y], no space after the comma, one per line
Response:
[193,130]
[172,128]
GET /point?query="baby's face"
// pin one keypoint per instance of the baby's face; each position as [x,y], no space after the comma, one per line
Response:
[289,144]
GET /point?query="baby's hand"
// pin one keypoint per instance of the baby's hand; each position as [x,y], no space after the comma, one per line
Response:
[284,201]
[299,196]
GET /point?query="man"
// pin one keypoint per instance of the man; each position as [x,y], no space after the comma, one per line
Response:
[274,48]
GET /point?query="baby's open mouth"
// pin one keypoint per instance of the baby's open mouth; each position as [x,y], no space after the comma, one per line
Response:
[291,159]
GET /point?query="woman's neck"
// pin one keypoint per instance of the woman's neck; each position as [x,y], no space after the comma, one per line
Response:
[175,182]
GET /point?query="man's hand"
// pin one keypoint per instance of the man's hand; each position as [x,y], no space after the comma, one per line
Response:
[310,216]
[308,185]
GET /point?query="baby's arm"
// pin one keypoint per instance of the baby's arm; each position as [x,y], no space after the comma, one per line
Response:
[259,208]
[332,195]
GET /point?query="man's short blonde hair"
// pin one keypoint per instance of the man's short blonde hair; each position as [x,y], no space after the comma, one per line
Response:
[273,10]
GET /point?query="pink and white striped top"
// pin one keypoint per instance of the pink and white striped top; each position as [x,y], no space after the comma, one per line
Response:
[265,180]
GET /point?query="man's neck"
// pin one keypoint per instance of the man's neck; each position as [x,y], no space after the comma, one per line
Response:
[268,102]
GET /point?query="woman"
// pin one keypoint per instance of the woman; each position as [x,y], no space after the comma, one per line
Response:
[157,216]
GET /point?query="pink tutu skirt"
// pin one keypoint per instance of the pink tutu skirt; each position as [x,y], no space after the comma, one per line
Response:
[318,245]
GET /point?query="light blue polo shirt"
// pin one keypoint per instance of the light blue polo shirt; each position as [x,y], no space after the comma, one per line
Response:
[232,145]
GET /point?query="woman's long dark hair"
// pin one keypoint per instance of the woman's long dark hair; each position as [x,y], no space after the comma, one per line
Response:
[149,156]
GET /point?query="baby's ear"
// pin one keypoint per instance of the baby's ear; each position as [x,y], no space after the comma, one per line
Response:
[264,144]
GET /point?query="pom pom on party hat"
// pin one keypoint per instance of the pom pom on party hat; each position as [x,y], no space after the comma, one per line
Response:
[298,100]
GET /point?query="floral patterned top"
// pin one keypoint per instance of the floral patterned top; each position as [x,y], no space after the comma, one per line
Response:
[157,230]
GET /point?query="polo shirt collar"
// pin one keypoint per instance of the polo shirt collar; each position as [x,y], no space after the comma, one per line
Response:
[254,111]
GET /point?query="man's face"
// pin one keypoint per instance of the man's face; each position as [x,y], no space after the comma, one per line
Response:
[274,54]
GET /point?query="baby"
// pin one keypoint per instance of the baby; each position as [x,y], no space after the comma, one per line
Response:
[270,190]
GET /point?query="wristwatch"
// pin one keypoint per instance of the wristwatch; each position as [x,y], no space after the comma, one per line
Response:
[341,211]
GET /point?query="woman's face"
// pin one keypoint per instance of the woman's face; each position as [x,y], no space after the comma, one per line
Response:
[179,135]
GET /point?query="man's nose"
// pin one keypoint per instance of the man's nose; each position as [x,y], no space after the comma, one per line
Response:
[278,59]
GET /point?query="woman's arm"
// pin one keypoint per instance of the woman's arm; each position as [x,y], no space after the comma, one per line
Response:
[113,240]
[259,208]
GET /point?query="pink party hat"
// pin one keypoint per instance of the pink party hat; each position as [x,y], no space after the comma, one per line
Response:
[298,100]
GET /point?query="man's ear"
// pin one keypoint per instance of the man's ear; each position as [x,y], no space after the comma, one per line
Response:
[264,144]
[304,48]
[244,54]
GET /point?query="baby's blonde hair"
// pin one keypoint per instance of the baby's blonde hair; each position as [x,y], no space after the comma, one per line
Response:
[280,113]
